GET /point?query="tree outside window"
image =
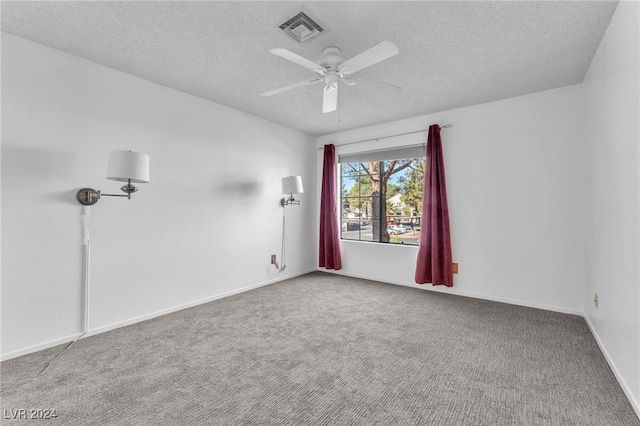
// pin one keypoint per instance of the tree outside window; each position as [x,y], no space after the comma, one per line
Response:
[381,200]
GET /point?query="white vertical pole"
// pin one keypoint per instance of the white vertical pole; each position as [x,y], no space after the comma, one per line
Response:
[282,251]
[87,265]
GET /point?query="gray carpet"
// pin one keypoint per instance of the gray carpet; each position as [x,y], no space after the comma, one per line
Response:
[328,350]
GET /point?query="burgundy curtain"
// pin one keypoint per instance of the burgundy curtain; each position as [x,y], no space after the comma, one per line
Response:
[329,231]
[434,263]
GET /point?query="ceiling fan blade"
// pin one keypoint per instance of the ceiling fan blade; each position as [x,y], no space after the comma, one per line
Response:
[297,59]
[379,52]
[329,99]
[375,86]
[293,86]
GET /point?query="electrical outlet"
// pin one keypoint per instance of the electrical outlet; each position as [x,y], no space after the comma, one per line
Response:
[595,300]
[273,259]
[455,268]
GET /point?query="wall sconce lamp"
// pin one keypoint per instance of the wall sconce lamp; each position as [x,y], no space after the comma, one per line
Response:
[124,166]
[291,185]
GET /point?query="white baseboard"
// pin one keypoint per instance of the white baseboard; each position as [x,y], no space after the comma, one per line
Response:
[39,347]
[103,329]
[634,403]
[455,292]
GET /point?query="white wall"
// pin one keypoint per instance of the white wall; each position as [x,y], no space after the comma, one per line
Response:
[515,173]
[614,205]
[205,226]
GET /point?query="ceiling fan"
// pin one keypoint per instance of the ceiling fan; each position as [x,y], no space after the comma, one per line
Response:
[333,69]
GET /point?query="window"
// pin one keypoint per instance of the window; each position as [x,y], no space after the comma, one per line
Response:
[381,195]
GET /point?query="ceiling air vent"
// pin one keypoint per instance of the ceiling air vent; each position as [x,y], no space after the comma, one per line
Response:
[302,27]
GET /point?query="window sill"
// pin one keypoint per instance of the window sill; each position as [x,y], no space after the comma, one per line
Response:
[375,243]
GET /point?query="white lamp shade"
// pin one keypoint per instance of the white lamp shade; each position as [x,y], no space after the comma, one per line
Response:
[292,185]
[125,165]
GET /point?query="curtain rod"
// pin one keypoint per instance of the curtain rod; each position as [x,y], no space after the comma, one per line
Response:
[446,126]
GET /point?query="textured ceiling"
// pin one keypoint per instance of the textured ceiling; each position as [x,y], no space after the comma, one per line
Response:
[452,53]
